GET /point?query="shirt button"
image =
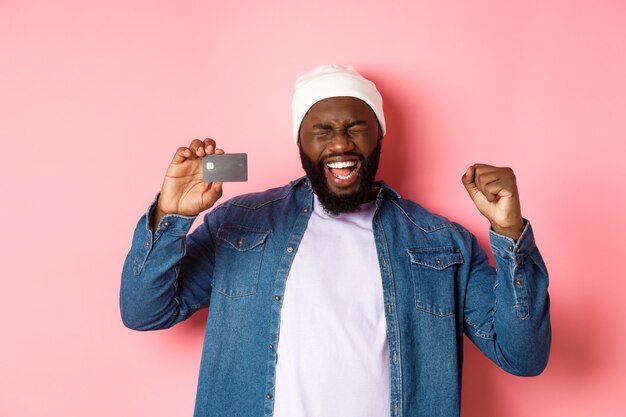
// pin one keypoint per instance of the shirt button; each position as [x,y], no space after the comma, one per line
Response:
[240,242]
[268,396]
[438,262]
[277,297]
[518,282]
[147,243]
[165,224]
[510,248]
[271,346]
[289,249]
[306,210]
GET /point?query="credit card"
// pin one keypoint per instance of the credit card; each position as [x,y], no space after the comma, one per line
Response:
[228,167]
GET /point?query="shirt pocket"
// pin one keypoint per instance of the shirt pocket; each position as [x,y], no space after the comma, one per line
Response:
[433,272]
[238,260]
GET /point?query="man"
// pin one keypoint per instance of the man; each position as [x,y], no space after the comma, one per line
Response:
[333,296]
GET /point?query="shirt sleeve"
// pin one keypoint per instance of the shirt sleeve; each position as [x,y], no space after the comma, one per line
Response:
[166,275]
[507,311]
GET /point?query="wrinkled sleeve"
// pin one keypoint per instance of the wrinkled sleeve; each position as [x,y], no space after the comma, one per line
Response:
[507,310]
[166,275]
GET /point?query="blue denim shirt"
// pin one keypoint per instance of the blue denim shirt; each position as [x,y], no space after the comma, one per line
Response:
[437,285]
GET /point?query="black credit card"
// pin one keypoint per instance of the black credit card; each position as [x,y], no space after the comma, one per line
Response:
[228,167]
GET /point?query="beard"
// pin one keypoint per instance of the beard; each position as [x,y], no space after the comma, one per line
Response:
[336,204]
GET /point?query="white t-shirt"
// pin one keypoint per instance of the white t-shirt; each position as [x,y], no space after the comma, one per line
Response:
[333,354]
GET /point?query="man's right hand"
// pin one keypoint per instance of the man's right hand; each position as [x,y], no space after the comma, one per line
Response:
[183,192]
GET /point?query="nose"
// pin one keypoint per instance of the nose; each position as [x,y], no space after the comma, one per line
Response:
[340,142]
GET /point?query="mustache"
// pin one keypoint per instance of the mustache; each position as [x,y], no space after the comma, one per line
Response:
[338,155]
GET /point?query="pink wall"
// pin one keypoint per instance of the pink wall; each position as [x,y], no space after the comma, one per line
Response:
[95,97]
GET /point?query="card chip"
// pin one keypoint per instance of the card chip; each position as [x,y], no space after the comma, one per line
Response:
[210,165]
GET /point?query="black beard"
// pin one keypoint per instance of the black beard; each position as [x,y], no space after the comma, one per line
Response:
[336,204]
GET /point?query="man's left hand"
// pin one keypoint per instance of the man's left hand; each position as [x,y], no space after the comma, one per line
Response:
[494,191]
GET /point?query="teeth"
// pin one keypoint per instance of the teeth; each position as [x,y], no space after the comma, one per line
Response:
[345,177]
[345,164]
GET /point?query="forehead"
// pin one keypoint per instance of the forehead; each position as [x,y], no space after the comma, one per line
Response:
[340,108]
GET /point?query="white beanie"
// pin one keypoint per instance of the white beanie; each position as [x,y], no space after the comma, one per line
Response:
[333,80]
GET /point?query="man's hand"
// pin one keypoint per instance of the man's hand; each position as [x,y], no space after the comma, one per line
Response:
[494,191]
[183,191]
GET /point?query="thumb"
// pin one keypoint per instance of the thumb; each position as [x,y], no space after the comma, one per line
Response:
[468,181]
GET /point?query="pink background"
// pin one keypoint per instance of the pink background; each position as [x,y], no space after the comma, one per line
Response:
[96,96]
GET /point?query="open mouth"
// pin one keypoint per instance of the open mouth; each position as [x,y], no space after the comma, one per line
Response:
[343,170]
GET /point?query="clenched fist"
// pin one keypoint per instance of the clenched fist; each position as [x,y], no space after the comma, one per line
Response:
[494,191]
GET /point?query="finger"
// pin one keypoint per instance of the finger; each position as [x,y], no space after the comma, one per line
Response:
[196,147]
[501,188]
[209,146]
[492,191]
[217,188]
[483,183]
[212,195]
[499,182]
[219,151]
[181,155]
[508,180]
[489,171]
[483,167]
[478,179]
[485,175]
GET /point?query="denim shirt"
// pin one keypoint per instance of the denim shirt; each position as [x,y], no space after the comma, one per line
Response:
[437,285]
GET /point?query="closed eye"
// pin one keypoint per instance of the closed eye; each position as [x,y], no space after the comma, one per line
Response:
[322,126]
[356,123]
[357,127]
[322,129]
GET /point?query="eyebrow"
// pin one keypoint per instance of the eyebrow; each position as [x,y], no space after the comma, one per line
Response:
[348,126]
[322,126]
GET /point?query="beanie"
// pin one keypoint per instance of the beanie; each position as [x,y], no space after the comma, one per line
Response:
[333,80]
